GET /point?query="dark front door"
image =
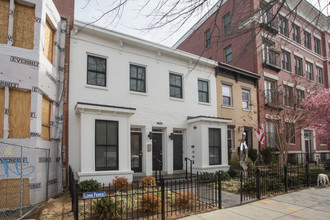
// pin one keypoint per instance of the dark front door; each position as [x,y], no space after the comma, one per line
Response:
[157,154]
[248,139]
[177,152]
[136,152]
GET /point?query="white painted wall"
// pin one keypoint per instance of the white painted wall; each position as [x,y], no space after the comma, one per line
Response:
[154,109]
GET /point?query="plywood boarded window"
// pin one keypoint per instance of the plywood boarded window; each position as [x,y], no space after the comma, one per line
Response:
[46,110]
[19,113]
[4,18]
[2,110]
[23,33]
[49,41]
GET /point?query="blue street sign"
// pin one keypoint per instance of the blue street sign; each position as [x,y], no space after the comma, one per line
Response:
[93,195]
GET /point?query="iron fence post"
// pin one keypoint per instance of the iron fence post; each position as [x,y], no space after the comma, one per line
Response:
[162,185]
[307,175]
[71,191]
[286,178]
[241,186]
[186,167]
[76,203]
[219,190]
[258,183]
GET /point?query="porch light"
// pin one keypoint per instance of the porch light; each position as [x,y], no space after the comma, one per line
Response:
[171,136]
[150,135]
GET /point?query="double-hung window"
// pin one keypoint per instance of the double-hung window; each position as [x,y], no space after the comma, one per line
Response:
[137,78]
[309,71]
[226,95]
[214,146]
[317,45]
[286,61]
[226,24]
[96,70]
[207,38]
[106,145]
[288,96]
[298,66]
[284,26]
[246,99]
[175,86]
[296,33]
[203,91]
[300,97]
[289,133]
[270,92]
[319,75]
[228,54]
[307,40]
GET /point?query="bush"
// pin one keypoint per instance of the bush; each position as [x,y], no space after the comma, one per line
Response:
[120,183]
[89,186]
[235,164]
[234,173]
[267,155]
[184,200]
[147,181]
[106,208]
[150,203]
[253,154]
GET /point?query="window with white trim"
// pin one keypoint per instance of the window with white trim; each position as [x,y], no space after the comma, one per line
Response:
[96,70]
[296,33]
[246,99]
[284,26]
[214,146]
[207,35]
[226,95]
[137,78]
[286,61]
[319,75]
[309,71]
[175,86]
[307,40]
[317,45]
[228,54]
[298,67]
[226,24]
[203,91]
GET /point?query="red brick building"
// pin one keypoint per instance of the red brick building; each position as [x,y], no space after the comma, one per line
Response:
[288,44]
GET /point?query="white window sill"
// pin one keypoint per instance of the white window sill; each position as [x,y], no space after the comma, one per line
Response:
[176,99]
[247,110]
[138,93]
[204,103]
[228,107]
[96,87]
[287,71]
[324,144]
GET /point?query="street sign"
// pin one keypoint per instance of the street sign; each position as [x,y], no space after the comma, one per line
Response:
[93,195]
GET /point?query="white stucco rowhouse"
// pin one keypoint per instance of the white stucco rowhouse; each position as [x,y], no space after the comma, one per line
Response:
[136,106]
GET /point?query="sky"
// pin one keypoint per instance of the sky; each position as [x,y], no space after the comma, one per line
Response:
[133,21]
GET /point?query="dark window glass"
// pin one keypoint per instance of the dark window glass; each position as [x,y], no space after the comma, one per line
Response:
[284,26]
[309,71]
[300,97]
[226,24]
[106,145]
[175,86]
[228,54]
[286,61]
[307,40]
[137,78]
[288,96]
[298,66]
[96,71]
[208,38]
[203,91]
[317,45]
[319,75]
[214,146]
[296,33]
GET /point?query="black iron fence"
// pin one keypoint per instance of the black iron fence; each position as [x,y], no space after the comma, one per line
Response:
[166,198]
[263,182]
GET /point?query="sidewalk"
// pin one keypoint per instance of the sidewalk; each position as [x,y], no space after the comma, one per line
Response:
[312,203]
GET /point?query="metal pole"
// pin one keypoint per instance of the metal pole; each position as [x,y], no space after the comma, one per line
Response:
[162,184]
[186,167]
[47,174]
[286,178]
[241,186]
[258,183]
[219,190]
[21,192]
